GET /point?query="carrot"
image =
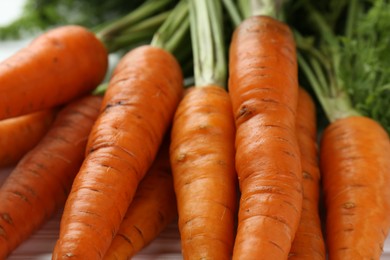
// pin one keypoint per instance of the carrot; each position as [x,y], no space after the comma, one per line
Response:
[308,242]
[152,209]
[202,148]
[354,149]
[67,62]
[137,108]
[19,135]
[263,87]
[355,154]
[202,157]
[40,183]
[58,66]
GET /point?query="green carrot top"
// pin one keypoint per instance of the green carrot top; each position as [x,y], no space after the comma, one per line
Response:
[138,25]
[170,34]
[348,66]
[247,8]
[208,48]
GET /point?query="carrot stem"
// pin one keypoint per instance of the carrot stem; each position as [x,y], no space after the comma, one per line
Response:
[101,89]
[150,23]
[335,106]
[233,12]
[332,47]
[108,32]
[208,44]
[171,32]
[351,18]
[322,68]
[270,8]
[126,40]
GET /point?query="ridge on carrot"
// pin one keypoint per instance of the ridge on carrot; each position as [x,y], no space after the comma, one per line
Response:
[21,134]
[123,142]
[263,86]
[40,182]
[202,146]
[64,63]
[354,148]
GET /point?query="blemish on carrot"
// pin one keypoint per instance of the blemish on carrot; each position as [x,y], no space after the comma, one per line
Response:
[349,205]
[7,218]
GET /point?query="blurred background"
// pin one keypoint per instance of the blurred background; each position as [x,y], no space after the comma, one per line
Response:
[9,11]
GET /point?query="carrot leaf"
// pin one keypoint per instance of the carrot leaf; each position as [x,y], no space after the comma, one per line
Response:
[348,62]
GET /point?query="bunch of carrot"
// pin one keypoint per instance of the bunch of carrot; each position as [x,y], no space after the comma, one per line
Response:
[235,158]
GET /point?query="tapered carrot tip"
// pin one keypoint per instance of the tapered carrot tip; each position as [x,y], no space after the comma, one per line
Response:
[40,182]
[21,134]
[58,66]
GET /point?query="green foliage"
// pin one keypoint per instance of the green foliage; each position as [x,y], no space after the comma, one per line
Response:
[365,62]
[344,46]
[38,15]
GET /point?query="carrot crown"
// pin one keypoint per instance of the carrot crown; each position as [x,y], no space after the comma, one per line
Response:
[246,8]
[346,59]
[261,7]
[207,43]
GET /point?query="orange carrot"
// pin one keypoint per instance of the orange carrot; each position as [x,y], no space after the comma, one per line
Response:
[152,209]
[58,66]
[121,148]
[137,108]
[308,242]
[20,134]
[202,147]
[263,87]
[355,165]
[354,149]
[202,157]
[41,181]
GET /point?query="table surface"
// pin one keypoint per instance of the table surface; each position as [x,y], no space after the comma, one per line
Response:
[166,246]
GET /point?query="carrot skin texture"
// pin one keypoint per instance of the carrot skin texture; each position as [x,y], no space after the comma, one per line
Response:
[205,181]
[263,84]
[152,209]
[60,65]
[355,165]
[308,242]
[137,109]
[41,181]
[20,134]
